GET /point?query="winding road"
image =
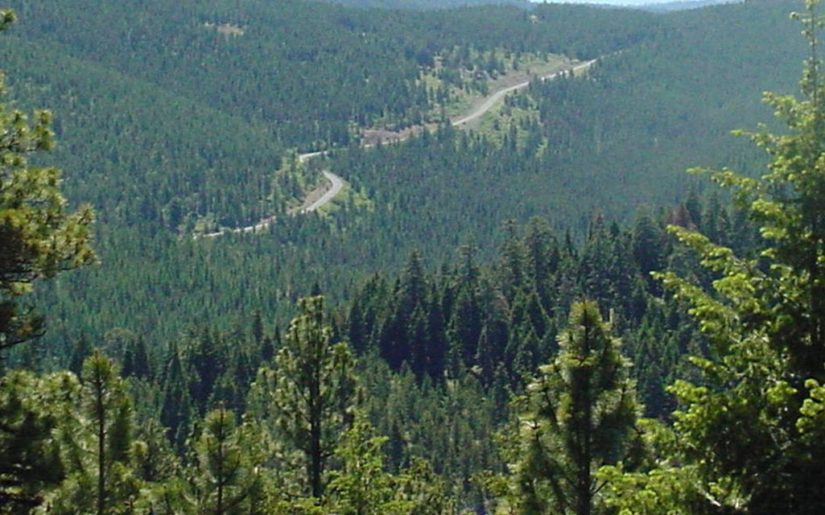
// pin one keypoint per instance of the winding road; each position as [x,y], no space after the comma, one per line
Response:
[337,183]
[499,95]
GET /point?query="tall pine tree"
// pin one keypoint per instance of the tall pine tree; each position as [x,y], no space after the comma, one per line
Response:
[577,415]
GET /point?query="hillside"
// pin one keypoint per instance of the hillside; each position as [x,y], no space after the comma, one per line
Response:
[411,260]
[660,103]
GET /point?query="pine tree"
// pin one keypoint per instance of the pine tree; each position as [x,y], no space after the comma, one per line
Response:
[30,410]
[647,245]
[208,359]
[362,486]
[81,349]
[542,259]
[38,237]
[226,478]
[136,359]
[96,445]
[577,416]
[311,390]
[177,410]
[512,266]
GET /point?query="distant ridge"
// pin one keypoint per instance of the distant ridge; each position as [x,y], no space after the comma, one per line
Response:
[685,5]
[429,5]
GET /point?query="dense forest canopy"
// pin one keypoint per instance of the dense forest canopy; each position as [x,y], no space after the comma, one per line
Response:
[658,104]
[535,313]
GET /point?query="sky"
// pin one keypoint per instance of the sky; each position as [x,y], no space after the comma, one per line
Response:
[611,2]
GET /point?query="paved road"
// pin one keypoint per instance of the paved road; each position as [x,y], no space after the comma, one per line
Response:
[496,97]
[337,186]
[337,183]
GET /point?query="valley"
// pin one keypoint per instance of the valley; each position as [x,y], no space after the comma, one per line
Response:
[320,196]
[410,257]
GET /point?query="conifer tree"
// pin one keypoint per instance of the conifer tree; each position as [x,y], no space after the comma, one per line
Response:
[136,359]
[97,445]
[30,410]
[226,476]
[176,409]
[577,416]
[81,349]
[38,237]
[311,390]
[361,486]
[748,427]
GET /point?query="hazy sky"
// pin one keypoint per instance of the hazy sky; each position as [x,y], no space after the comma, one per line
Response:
[611,2]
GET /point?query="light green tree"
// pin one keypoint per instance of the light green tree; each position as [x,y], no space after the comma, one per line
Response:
[226,477]
[362,486]
[310,392]
[576,416]
[96,445]
[748,431]
[38,237]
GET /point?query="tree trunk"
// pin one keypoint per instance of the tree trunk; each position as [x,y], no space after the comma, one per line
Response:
[315,456]
[583,476]
[101,444]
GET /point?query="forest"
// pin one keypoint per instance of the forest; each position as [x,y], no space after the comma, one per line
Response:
[539,314]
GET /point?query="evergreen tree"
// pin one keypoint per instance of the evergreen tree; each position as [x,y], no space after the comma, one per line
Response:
[225,477]
[97,445]
[361,486]
[176,412]
[207,358]
[311,390]
[30,410]
[647,245]
[38,237]
[136,359]
[577,416]
[748,433]
[81,349]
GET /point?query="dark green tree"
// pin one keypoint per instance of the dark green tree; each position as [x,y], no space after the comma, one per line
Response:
[177,410]
[30,463]
[136,359]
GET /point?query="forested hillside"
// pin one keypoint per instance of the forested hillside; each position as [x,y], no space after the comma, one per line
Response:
[143,147]
[308,69]
[430,4]
[536,313]
[440,191]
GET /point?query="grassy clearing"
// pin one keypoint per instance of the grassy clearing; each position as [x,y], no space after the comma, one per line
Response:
[350,198]
[472,85]
[453,89]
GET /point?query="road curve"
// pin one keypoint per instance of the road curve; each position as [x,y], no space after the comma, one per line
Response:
[496,97]
[337,186]
[337,183]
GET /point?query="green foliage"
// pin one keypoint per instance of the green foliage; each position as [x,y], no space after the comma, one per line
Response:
[577,416]
[226,477]
[174,122]
[310,391]
[156,153]
[38,236]
[744,426]
[96,445]
[30,409]
[362,486]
